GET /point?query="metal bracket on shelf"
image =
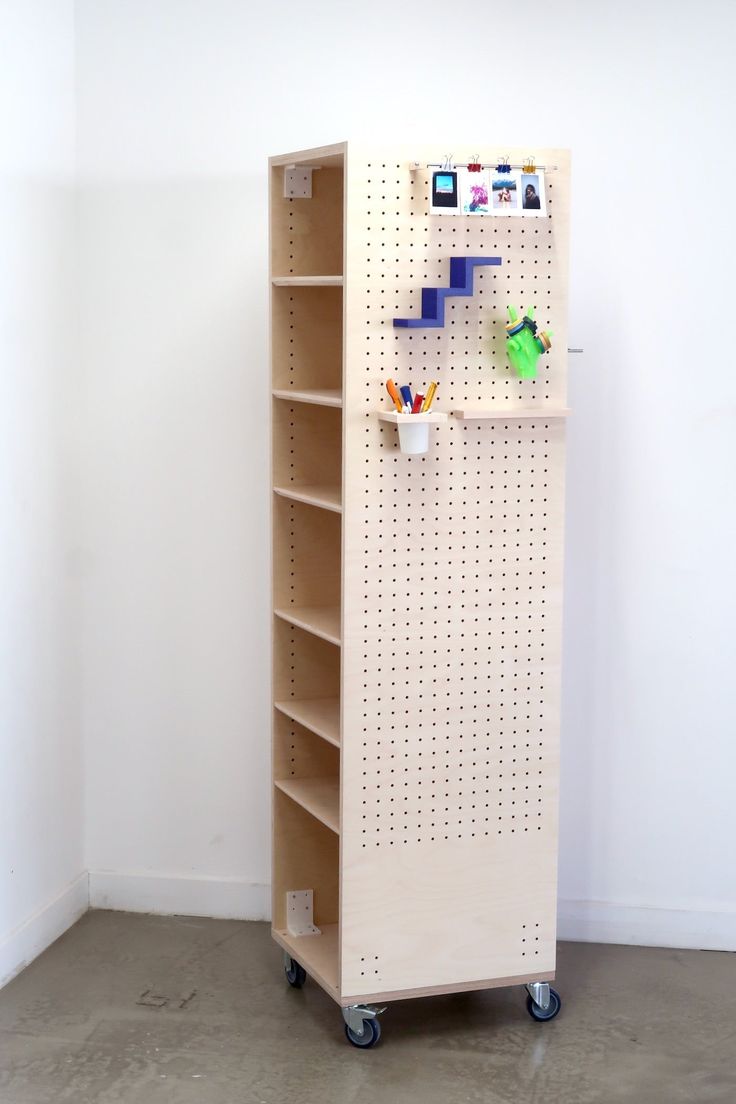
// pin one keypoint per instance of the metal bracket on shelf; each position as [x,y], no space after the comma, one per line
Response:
[299,912]
[539,992]
[298,181]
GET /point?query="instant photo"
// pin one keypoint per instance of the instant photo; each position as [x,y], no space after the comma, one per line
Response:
[445,200]
[475,192]
[505,194]
[532,195]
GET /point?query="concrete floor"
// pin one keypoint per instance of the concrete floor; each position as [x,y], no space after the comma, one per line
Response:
[140,1009]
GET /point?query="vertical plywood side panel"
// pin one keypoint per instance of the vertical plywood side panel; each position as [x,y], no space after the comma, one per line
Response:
[345,795]
[305,239]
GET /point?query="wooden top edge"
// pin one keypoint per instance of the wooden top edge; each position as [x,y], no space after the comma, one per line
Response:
[302,157]
[407,152]
[422,152]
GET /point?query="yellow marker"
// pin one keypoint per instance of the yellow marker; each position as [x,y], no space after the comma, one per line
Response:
[391,388]
[428,400]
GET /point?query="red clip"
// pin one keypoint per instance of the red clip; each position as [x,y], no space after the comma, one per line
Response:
[474,165]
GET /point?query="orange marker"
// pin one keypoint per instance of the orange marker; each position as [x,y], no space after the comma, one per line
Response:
[391,388]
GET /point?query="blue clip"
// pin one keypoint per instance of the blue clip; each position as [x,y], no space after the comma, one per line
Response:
[503,167]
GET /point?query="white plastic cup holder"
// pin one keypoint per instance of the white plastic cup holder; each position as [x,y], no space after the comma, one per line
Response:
[413,429]
[413,437]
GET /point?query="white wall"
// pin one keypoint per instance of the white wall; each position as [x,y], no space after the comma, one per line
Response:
[179,105]
[42,884]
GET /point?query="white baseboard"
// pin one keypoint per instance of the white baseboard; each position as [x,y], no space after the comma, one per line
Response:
[43,928]
[583,921]
[238,899]
[221,898]
[603,922]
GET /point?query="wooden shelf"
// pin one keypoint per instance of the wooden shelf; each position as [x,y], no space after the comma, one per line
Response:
[305,666]
[316,953]
[319,715]
[511,414]
[319,796]
[307,340]
[307,281]
[324,496]
[307,444]
[323,621]
[319,396]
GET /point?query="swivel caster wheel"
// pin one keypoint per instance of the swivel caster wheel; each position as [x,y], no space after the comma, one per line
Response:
[362,1028]
[369,1038]
[296,975]
[543,1002]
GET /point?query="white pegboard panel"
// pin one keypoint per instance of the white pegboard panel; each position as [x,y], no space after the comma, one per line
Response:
[451,596]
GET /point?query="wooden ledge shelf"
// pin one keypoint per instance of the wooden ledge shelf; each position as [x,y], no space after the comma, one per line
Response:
[318,396]
[316,953]
[319,715]
[306,281]
[324,496]
[323,621]
[318,796]
[511,414]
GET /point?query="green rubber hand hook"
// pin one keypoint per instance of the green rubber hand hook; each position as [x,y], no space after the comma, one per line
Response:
[524,344]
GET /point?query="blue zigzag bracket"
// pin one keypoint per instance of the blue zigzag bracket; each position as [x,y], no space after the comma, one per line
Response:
[433,298]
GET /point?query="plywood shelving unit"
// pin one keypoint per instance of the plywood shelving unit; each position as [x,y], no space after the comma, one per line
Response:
[307,443]
[416,599]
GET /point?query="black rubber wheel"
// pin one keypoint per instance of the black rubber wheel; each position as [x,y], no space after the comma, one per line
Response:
[369,1038]
[296,975]
[544,1014]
